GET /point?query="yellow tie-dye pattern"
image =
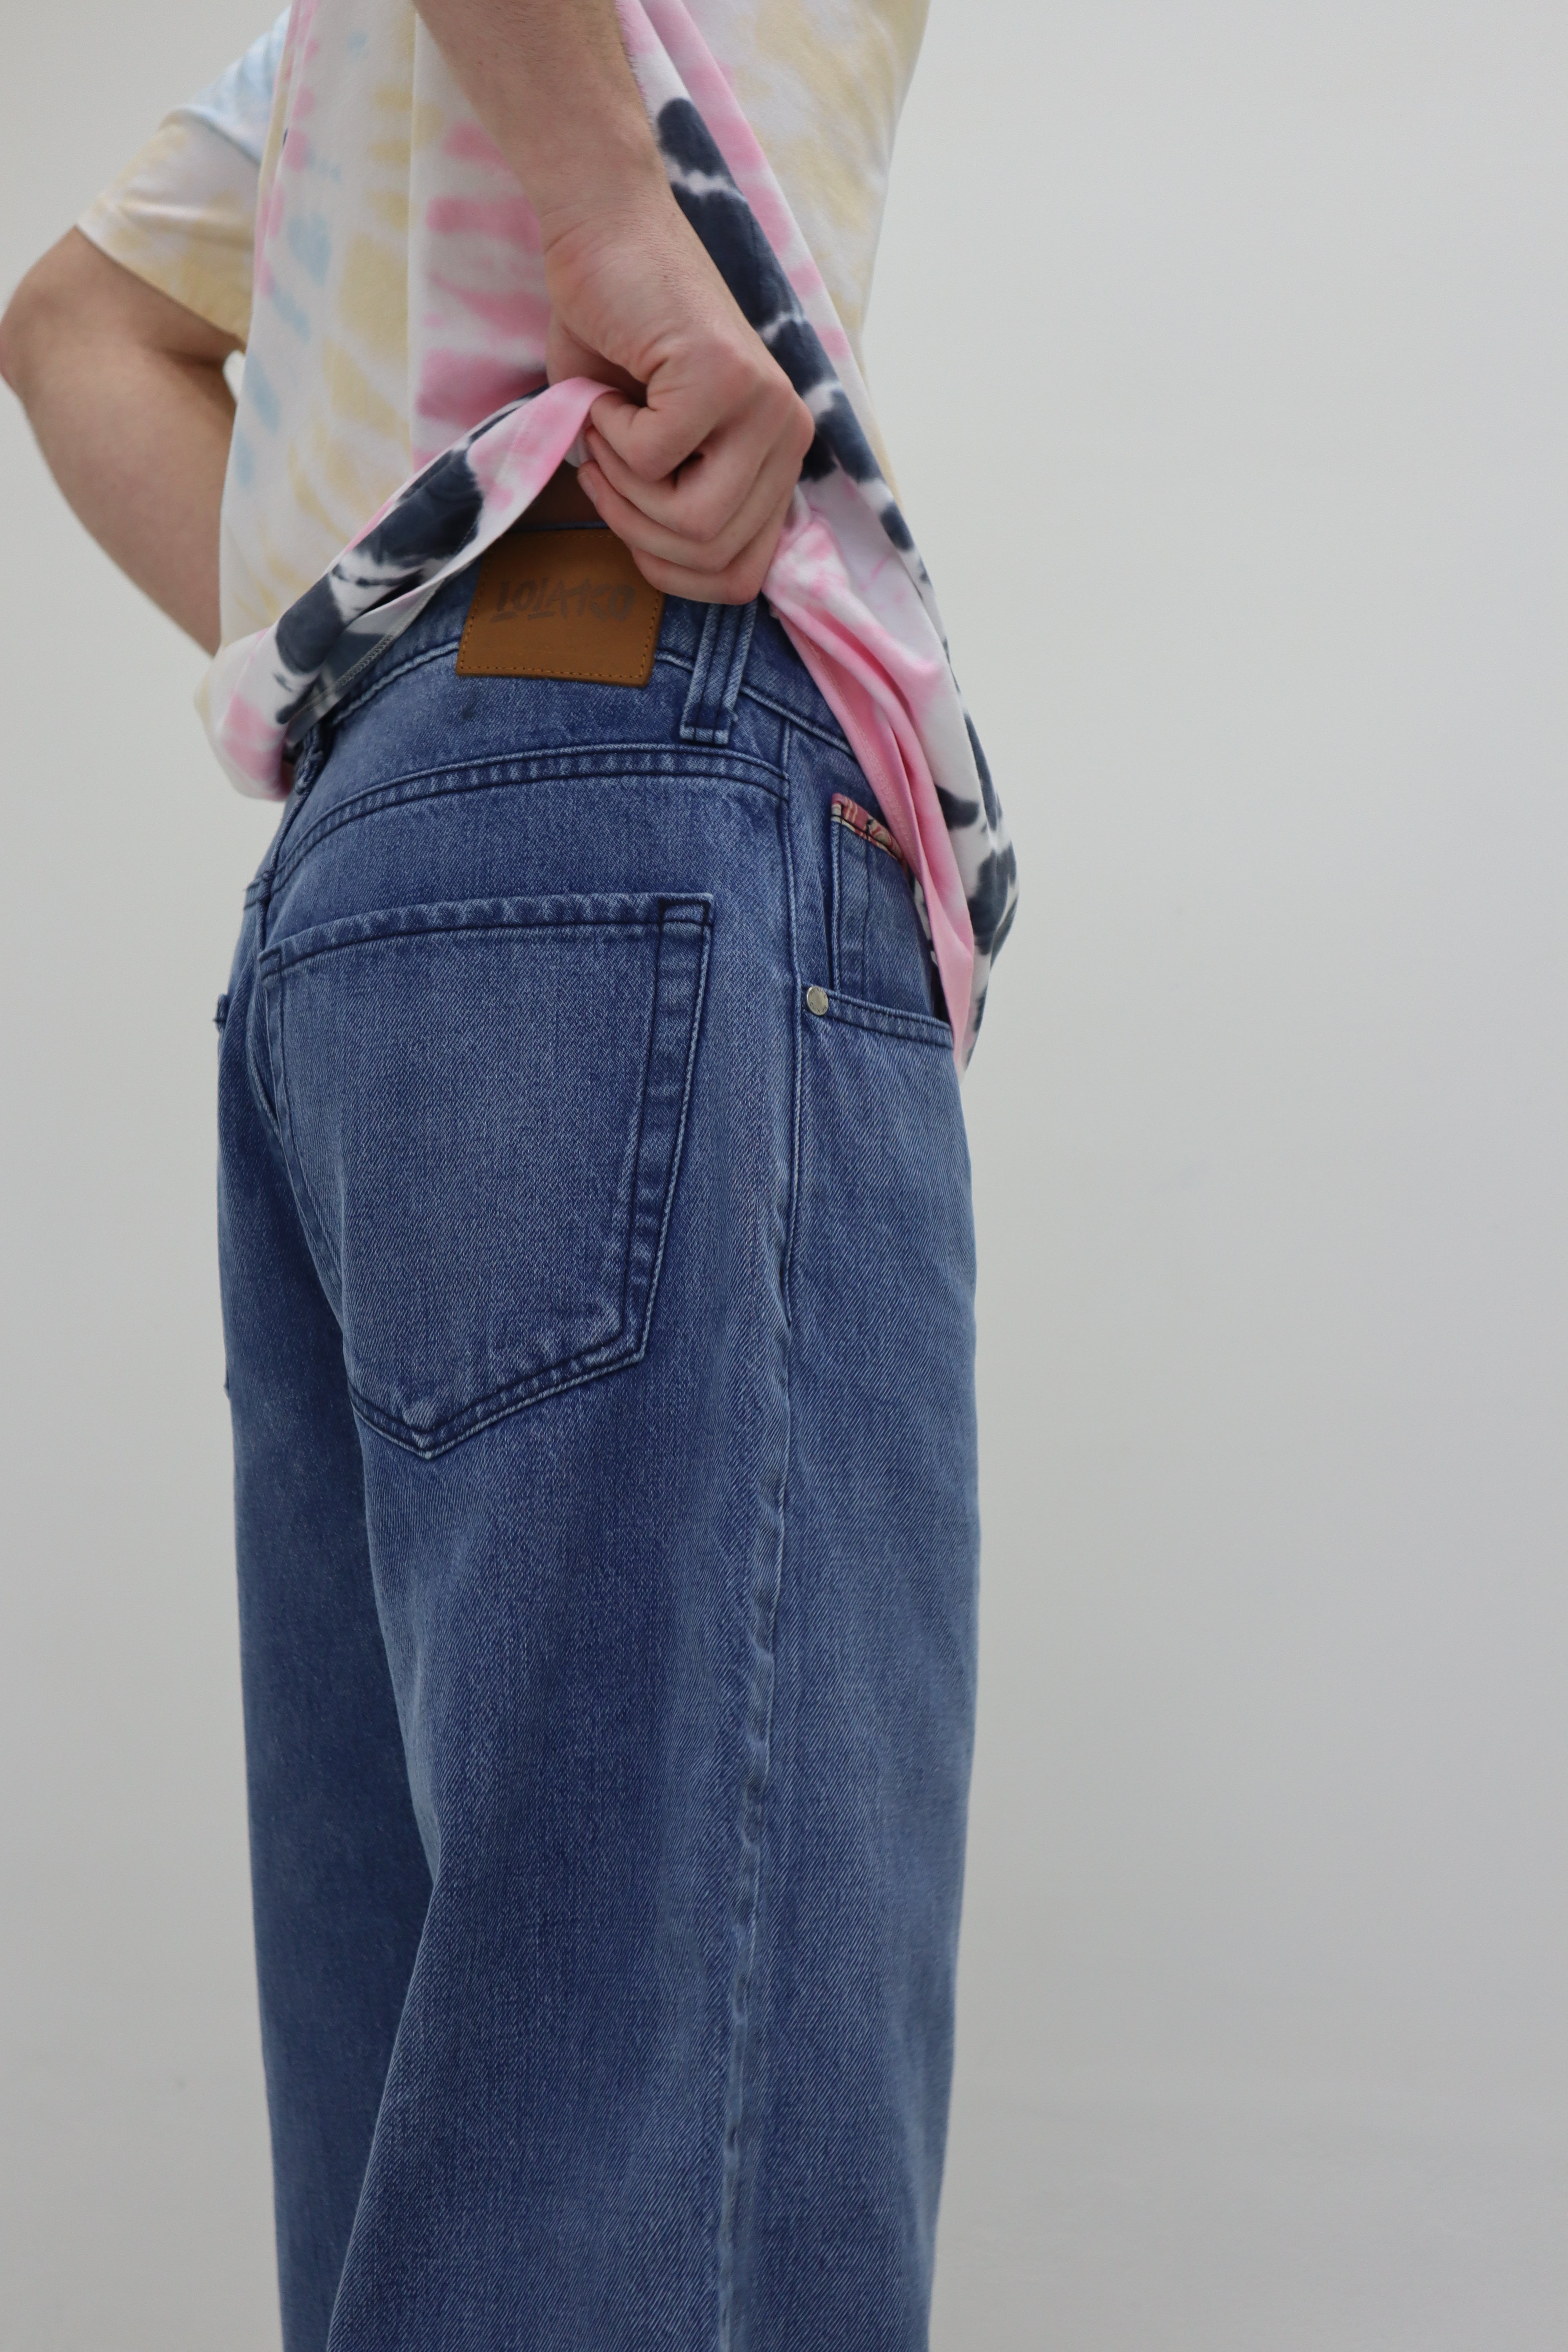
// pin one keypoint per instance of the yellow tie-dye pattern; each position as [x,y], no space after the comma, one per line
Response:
[356,401]
[182,216]
[328,484]
[822,82]
[390,206]
[373,297]
[259,580]
[430,123]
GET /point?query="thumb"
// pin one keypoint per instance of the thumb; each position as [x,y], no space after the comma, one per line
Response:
[652,440]
[565,355]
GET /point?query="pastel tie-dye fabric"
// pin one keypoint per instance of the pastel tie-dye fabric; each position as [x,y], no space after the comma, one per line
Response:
[334,202]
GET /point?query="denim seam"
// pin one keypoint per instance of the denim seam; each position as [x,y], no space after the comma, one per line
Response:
[299,1183]
[642,1131]
[718,672]
[836,739]
[790,901]
[698,697]
[760,1707]
[418,658]
[421,656]
[499,776]
[843,813]
[311,759]
[400,667]
[288,954]
[887,1020]
[691,915]
[740,638]
[861,852]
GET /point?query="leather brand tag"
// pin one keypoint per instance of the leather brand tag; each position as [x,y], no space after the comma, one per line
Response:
[553,602]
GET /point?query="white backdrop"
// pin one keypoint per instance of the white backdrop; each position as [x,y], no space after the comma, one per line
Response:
[1224,356]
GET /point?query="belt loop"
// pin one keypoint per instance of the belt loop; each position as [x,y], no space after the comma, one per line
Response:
[716,675]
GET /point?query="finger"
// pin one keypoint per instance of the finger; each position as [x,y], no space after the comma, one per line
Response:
[680,414]
[565,356]
[741,471]
[701,501]
[662,526]
[736,584]
[630,521]
[771,490]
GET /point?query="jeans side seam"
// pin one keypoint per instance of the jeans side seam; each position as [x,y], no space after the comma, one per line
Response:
[760,1709]
[786,752]
[307,766]
[310,1218]
[759,1735]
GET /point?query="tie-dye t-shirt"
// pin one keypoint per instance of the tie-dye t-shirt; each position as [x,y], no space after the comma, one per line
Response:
[334,204]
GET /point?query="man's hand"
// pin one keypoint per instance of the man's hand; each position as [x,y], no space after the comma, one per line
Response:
[697,476]
[695,451]
[125,392]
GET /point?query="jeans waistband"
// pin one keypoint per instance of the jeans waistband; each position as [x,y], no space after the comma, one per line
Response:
[728,649]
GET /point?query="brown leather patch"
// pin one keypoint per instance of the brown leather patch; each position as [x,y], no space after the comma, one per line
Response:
[561,603]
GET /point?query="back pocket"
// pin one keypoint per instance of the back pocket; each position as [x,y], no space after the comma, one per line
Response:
[482,1107]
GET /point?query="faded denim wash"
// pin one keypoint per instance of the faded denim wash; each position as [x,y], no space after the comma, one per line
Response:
[599,1325]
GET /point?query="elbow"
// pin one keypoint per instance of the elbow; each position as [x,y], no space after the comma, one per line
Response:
[30,319]
[13,340]
[58,302]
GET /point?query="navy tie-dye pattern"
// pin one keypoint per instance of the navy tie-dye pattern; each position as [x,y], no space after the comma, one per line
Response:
[707,193]
[331,633]
[713,203]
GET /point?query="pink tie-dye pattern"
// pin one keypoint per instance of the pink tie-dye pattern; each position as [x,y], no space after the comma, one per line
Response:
[878,690]
[848,599]
[512,464]
[510,220]
[470,142]
[457,385]
[662,31]
[482,314]
[867,674]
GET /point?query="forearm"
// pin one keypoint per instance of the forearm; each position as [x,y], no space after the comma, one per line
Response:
[550,80]
[139,444]
[694,451]
[125,394]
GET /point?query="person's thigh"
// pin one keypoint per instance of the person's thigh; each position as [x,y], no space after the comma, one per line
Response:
[529,1029]
[862,1825]
[340,1881]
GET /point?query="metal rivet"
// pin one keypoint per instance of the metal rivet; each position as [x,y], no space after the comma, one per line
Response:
[817,1000]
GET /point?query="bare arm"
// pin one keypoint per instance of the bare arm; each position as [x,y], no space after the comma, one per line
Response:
[696,454]
[125,392]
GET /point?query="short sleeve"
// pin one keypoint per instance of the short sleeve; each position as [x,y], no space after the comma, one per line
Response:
[182,215]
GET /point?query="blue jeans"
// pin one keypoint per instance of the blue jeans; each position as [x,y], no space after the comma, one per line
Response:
[599,1275]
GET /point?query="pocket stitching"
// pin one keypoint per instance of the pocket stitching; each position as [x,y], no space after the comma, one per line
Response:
[885,1020]
[691,914]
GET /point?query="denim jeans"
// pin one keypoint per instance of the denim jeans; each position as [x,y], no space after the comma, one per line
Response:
[598,1278]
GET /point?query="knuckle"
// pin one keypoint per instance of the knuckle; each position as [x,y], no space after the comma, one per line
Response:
[743,578]
[700,517]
